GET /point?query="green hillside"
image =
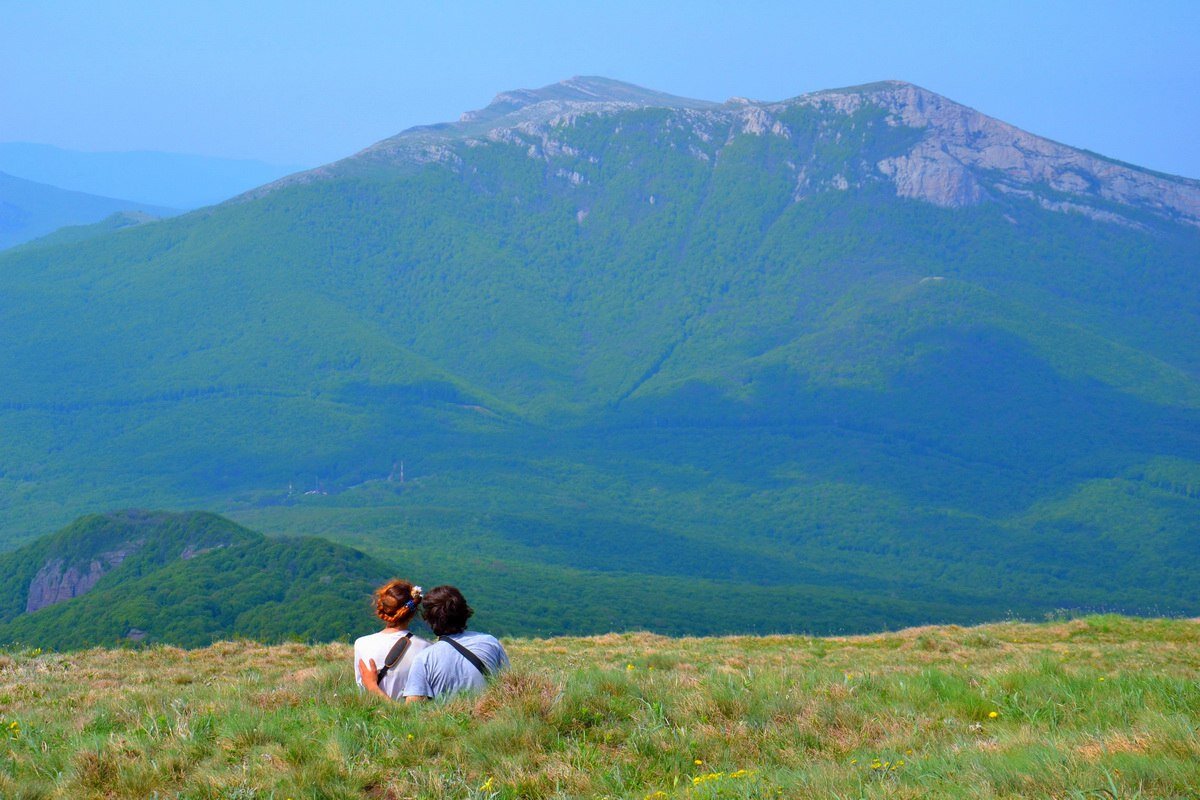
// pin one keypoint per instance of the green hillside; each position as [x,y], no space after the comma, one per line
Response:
[670,362]
[1095,707]
[182,579]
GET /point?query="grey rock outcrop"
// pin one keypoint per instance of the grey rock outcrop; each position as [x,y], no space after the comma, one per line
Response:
[959,158]
[964,151]
[56,581]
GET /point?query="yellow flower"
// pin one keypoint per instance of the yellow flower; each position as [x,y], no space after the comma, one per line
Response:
[854,761]
[488,785]
[698,761]
[1101,677]
[712,776]
[993,714]
[630,667]
[410,736]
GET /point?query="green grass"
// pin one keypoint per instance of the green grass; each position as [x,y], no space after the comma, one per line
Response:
[1094,707]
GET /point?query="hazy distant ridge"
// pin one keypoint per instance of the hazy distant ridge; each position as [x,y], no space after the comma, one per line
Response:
[173,180]
[29,210]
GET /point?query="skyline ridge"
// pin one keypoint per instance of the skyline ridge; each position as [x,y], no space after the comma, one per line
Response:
[1024,160]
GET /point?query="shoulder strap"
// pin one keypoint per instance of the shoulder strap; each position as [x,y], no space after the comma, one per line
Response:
[467,654]
[395,654]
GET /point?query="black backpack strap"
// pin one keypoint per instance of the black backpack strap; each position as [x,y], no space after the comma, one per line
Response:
[468,655]
[395,654]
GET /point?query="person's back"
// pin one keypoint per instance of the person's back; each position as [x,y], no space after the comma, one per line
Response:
[396,604]
[441,669]
[376,646]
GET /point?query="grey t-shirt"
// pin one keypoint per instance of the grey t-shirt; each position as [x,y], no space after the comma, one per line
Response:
[440,669]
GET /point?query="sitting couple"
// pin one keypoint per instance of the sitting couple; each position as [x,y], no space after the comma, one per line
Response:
[395,664]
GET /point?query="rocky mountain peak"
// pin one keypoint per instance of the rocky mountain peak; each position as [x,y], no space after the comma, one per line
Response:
[960,156]
[579,92]
[966,157]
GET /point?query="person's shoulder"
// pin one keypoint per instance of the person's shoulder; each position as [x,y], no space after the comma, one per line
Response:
[478,637]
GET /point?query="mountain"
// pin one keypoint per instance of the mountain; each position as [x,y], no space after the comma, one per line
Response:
[611,358]
[960,157]
[173,180]
[186,579]
[29,210]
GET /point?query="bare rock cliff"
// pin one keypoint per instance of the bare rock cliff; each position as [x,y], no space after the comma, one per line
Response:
[56,581]
[966,157]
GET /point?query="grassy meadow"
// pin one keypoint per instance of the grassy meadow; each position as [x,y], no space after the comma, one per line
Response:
[1096,707]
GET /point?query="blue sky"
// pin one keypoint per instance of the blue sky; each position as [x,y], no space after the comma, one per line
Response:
[304,83]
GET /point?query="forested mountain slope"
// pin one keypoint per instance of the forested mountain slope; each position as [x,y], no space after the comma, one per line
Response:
[864,357]
[185,579]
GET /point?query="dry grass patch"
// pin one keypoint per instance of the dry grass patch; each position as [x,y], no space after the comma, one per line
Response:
[1080,705]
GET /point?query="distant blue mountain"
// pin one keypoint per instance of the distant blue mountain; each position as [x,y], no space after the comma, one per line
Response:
[29,210]
[163,179]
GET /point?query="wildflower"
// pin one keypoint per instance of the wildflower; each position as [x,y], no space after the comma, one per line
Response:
[630,667]
[993,714]
[908,752]
[487,785]
[1101,677]
[854,761]
[698,761]
[410,736]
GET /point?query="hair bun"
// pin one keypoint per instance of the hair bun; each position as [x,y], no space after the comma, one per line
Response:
[396,600]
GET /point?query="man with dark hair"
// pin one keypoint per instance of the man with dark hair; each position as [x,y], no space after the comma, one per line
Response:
[461,660]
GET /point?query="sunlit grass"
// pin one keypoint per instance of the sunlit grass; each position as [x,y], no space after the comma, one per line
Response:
[1099,707]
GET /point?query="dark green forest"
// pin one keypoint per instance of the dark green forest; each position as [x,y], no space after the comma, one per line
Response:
[642,382]
[188,579]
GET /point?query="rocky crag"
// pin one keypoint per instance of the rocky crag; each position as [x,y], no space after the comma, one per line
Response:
[955,156]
